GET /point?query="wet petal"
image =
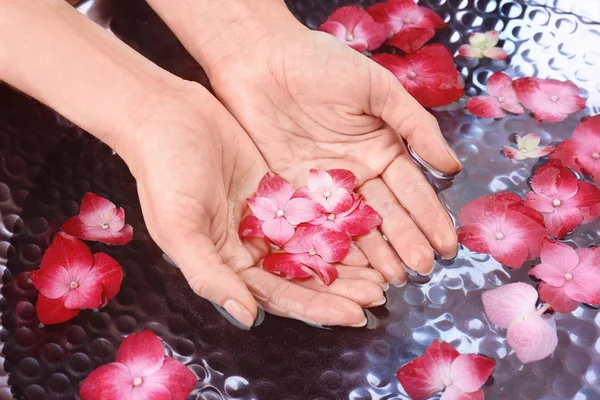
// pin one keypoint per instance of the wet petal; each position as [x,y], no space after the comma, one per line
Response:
[514,154]
[532,337]
[176,377]
[529,141]
[290,265]
[495,53]
[110,381]
[454,393]
[557,298]
[506,303]
[470,371]
[53,281]
[142,353]
[485,107]
[469,51]
[108,272]
[87,295]
[53,311]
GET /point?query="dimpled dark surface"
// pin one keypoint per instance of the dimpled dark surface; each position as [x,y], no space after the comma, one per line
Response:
[47,164]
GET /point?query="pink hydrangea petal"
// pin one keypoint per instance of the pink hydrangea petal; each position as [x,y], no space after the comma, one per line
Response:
[176,377]
[94,209]
[469,51]
[549,273]
[302,210]
[540,152]
[511,251]
[87,295]
[326,272]
[485,107]
[150,391]
[377,11]
[373,33]
[474,237]
[110,381]
[429,18]
[588,131]
[496,53]
[454,393]
[539,203]
[350,16]
[75,227]
[263,208]
[251,227]
[587,200]
[555,182]
[279,230]
[53,281]
[108,272]
[335,29]
[442,353]
[585,285]
[491,38]
[290,265]
[514,154]
[360,221]
[340,201]
[69,252]
[566,152]
[500,85]
[487,209]
[359,45]
[332,246]
[562,221]
[470,371]
[53,311]
[537,95]
[527,225]
[506,303]
[115,218]
[411,39]
[343,178]
[557,298]
[302,241]
[320,181]
[423,377]
[274,187]
[513,108]
[142,353]
[532,337]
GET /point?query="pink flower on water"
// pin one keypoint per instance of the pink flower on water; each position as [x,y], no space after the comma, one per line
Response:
[502,97]
[563,201]
[99,220]
[71,278]
[428,75]
[311,251]
[355,27]
[569,276]
[442,368]
[531,334]
[483,45]
[581,153]
[527,147]
[278,211]
[500,225]
[409,25]
[549,99]
[141,372]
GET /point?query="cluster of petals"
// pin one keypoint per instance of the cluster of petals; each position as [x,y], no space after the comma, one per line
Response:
[428,75]
[502,98]
[408,25]
[530,332]
[142,371]
[355,27]
[563,201]
[314,224]
[501,225]
[443,368]
[569,276]
[527,147]
[483,45]
[550,100]
[581,152]
[99,220]
[71,278]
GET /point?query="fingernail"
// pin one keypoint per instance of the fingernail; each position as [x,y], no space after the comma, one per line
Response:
[454,156]
[361,324]
[428,272]
[376,303]
[400,284]
[384,286]
[239,312]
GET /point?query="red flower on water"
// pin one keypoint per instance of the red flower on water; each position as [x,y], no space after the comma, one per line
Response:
[311,251]
[355,27]
[569,276]
[442,368]
[531,333]
[502,97]
[483,45]
[581,153]
[278,211]
[502,226]
[141,372]
[549,99]
[409,25]
[428,75]
[563,201]
[99,220]
[71,278]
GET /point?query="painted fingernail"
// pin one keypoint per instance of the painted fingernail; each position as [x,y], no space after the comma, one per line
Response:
[376,303]
[454,156]
[239,312]
[361,324]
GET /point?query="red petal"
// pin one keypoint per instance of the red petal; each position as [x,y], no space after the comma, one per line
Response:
[251,227]
[110,381]
[528,225]
[587,200]
[549,273]
[290,265]
[557,298]
[377,11]
[539,203]
[343,178]
[418,378]
[53,281]
[335,29]
[94,208]
[109,273]
[514,154]
[554,181]
[411,39]
[360,221]
[474,237]
[562,221]
[70,253]
[567,151]
[442,354]
[485,106]
[454,393]
[87,295]
[350,16]
[325,271]
[506,303]
[176,377]
[279,230]
[533,337]
[332,246]
[470,371]
[142,353]
[372,32]
[53,311]
[75,227]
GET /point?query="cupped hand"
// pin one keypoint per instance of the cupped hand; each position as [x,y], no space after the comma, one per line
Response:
[195,167]
[307,101]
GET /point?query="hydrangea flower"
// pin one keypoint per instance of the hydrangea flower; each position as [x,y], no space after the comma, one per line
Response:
[581,153]
[428,75]
[409,26]
[502,97]
[71,278]
[500,225]
[531,333]
[570,276]
[100,220]
[527,147]
[483,45]
[141,372]
[563,201]
[549,99]
[443,368]
[355,27]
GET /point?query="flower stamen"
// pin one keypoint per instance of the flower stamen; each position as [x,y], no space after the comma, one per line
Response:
[554,98]
[312,252]
[499,235]
[137,381]
[595,155]
[349,37]
[105,225]
[568,276]
[74,285]
[280,213]
[556,202]
[501,99]
[331,217]
[412,75]
[327,194]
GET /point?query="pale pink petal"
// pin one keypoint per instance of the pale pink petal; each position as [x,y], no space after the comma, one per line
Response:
[454,393]
[500,85]
[478,40]
[487,209]
[491,38]
[115,218]
[506,303]
[150,391]
[251,227]
[300,210]
[110,381]
[108,272]
[176,377]
[469,51]
[320,181]
[75,227]
[549,273]
[557,298]
[289,265]
[279,230]
[539,203]
[94,209]
[585,285]
[514,154]
[529,141]
[87,295]
[332,246]
[470,371]
[496,53]
[485,107]
[69,252]
[511,250]
[532,337]
[302,241]
[263,208]
[513,108]
[340,201]
[523,223]
[53,281]
[275,188]
[142,353]
[562,221]
[563,257]
[325,271]
[343,178]
[53,311]
[549,99]
[540,152]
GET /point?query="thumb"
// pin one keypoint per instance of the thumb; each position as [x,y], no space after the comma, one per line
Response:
[409,120]
[209,277]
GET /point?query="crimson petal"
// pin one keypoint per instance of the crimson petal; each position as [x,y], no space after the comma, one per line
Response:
[251,227]
[69,252]
[53,311]
[290,265]
[110,381]
[176,377]
[557,298]
[411,39]
[360,221]
[485,107]
[109,273]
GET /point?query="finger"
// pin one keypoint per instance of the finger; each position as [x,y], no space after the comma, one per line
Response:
[363,292]
[284,298]
[400,229]
[368,274]
[416,195]
[407,118]
[383,258]
[355,257]
[210,278]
